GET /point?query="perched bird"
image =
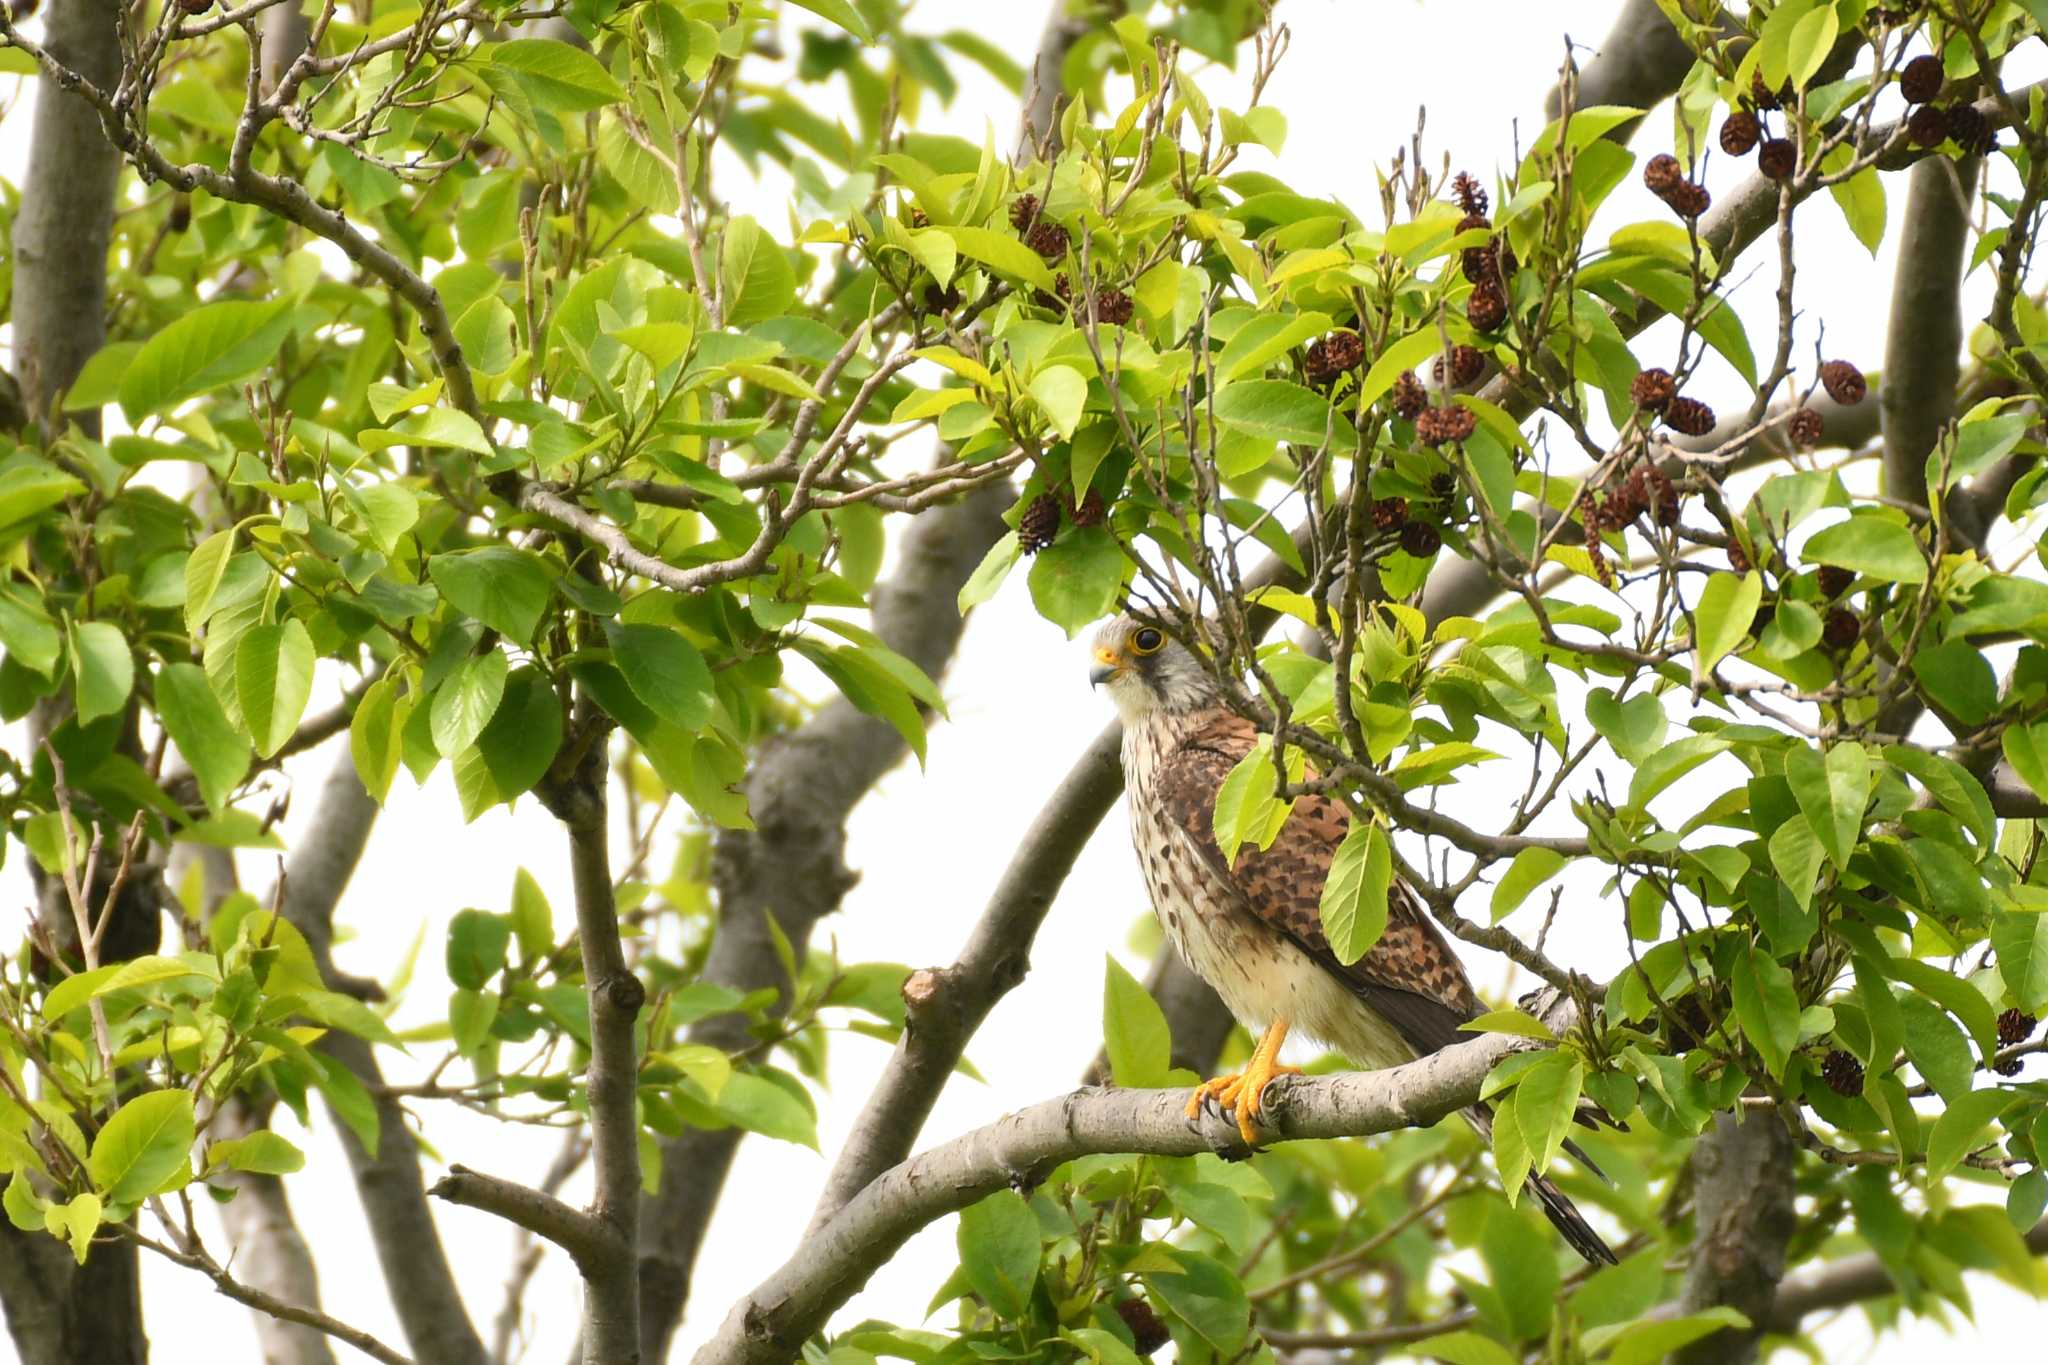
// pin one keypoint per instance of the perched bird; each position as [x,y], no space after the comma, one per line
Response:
[1253,930]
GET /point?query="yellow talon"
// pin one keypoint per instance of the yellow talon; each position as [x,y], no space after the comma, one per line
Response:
[1240,1094]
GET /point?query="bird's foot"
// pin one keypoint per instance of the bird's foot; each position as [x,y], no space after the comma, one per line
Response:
[1240,1094]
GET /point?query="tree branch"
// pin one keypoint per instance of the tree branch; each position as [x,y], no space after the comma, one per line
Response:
[1639,64]
[603,1241]
[1853,1279]
[1924,340]
[67,215]
[947,1005]
[772,1323]
[1743,1171]
[587,1241]
[262,1302]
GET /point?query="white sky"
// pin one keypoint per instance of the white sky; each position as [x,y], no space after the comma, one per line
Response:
[930,846]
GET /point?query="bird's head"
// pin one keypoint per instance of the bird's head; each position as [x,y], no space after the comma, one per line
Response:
[1147,671]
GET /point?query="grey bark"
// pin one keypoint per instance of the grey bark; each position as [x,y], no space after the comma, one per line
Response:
[1743,1171]
[792,867]
[286,31]
[1924,341]
[67,214]
[388,1182]
[60,1313]
[1640,62]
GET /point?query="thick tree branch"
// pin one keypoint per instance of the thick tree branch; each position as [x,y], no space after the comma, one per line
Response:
[1743,1169]
[792,868]
[1924,340]
[1639,64]
[947,1004]
[388,1181]
[772,1323]
[67,214]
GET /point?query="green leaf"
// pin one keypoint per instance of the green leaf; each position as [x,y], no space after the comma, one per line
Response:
[988,575]
[477,940]
[1405,354]
[759,283]
[1134,1030]
[533,923]
[1004,254]
[30,486]
[1546,1101]
[1655,1339]
[104,668]
[2021,943]
[261,1153]
[1936,1047]
[1957,677]
[204,570]
[210,347]
[998,1242]
[27,634]
[1832,793]
[142,1149]
[761,1106]
[2026,748]
[519,745]
[1281,410]
[466,701]
[1635,728]
[1767,1007]
[1075,580]
[1521,1262]
[665,671]
[273,680]
[504,588]
[842,13]
[1727,606]
[1354,902]
[560,77]
[1060,393]
[1669,763]
[1956,1131]
[1264,339]
[1207,1297]
[1869,545]
[1531,868]
[75,1222]
[1517,1023]
[441,428]
[209,743]
[376,737]
[1465,1348]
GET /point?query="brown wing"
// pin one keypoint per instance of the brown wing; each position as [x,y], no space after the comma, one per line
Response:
[1410,977]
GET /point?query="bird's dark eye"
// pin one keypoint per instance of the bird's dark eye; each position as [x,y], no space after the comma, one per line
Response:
[1147,640]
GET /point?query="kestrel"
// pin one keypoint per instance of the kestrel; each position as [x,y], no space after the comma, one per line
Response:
[1253,930]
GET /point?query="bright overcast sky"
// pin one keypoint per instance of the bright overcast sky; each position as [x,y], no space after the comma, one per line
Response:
[929,846]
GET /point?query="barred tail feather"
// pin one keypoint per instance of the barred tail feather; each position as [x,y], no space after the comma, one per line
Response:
[1562,1213]
[1566,1218]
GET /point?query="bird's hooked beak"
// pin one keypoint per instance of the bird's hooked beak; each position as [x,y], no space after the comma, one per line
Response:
[1108,663]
